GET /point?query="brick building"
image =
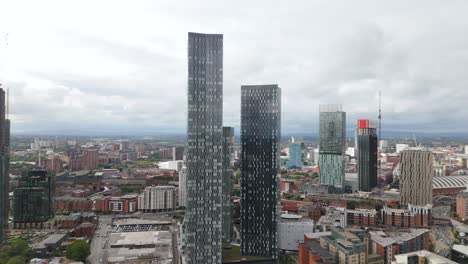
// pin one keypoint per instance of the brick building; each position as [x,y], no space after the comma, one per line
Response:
[90,159]
[72,204]
[362,217]
[414,216]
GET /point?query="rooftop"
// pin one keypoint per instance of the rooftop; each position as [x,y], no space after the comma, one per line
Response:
[439,182]
[430,258]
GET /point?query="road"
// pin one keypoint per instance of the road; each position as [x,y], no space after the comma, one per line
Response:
[99,242]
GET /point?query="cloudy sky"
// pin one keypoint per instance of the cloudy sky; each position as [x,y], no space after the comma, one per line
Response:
[121,66]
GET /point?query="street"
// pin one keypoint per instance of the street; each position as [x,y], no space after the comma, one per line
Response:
[99,242]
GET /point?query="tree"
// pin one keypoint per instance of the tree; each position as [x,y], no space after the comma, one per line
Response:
[78,251]
[16,260]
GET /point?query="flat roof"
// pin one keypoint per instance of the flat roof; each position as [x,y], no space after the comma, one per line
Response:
[461,248]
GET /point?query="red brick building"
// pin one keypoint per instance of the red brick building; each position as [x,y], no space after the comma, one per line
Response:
[90,159]
[462,204]
[72,204]
[362,217]
[414,216]
[123,205]
[312,253]
[85,229]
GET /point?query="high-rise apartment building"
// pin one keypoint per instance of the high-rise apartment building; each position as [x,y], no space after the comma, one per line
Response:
[260,164]
[90,159]
[182,187]
[228,173]
[366,145]
[157,199]
[332,145]
[33,199]
[295,156]
[416,173]
[4,166]
[204,157]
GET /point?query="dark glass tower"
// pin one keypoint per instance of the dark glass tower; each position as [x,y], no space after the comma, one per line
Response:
[4,166]
[202,225]
[260,140]
[228,173]
[332,145]
[366,144]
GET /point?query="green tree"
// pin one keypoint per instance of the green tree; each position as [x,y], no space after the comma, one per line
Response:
[16,260]
[78,251]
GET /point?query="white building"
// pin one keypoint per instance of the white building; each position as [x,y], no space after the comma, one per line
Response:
[157,198]
[316,156]
[466,149]
[351,152]
[401,147]
[291,231]
[183,187]
[171,165]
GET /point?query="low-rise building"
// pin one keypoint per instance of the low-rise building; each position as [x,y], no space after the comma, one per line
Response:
[414,216]
[422,256]
[362,217]
[291,229]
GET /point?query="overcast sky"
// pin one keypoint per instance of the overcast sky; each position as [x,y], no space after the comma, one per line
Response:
[121,66]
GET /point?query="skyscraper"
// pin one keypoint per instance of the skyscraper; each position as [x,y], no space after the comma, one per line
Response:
[295,156]
[366,144]
[4,165]
[183,187]
[260,163]
[228,173]
[203,227]
[416,173]
[332,145]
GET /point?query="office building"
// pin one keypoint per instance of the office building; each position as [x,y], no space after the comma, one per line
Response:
[366,143]
[157,199]
[295,155]
[204,157]
[260,164]
[228,173]
[178,153]
[416,173]
[332,145]
[182,187]
[4,166]
[33,199]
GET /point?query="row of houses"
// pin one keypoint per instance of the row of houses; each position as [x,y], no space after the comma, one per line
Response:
[152,199]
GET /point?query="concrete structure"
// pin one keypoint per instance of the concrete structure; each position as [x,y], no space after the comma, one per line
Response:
[346,247]
[335,217]
[203,219]
[157,198]
[130,247]
[366,143]
[260,169]
[182,191]
[416,177]
[332,145]
[462,205]
[291,231]
[295,156]
[4,165]
[171,165]
[460,253]
[228,174]
[33,199]
[49,244]
[422,256]
[401,147]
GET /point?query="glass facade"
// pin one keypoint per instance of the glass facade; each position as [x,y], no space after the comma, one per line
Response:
[4,166]
[228,173]
[260,169]
[295,156]
[366,144]
[204,160]
[332,145]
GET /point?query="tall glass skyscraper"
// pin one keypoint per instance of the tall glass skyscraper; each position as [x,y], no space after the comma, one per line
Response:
[228,173]
[4,165]
[260,165]
[366,145]
[203,219]
[295,156]
[332,145]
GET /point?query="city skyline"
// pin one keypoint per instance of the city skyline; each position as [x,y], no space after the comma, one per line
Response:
[334,63]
